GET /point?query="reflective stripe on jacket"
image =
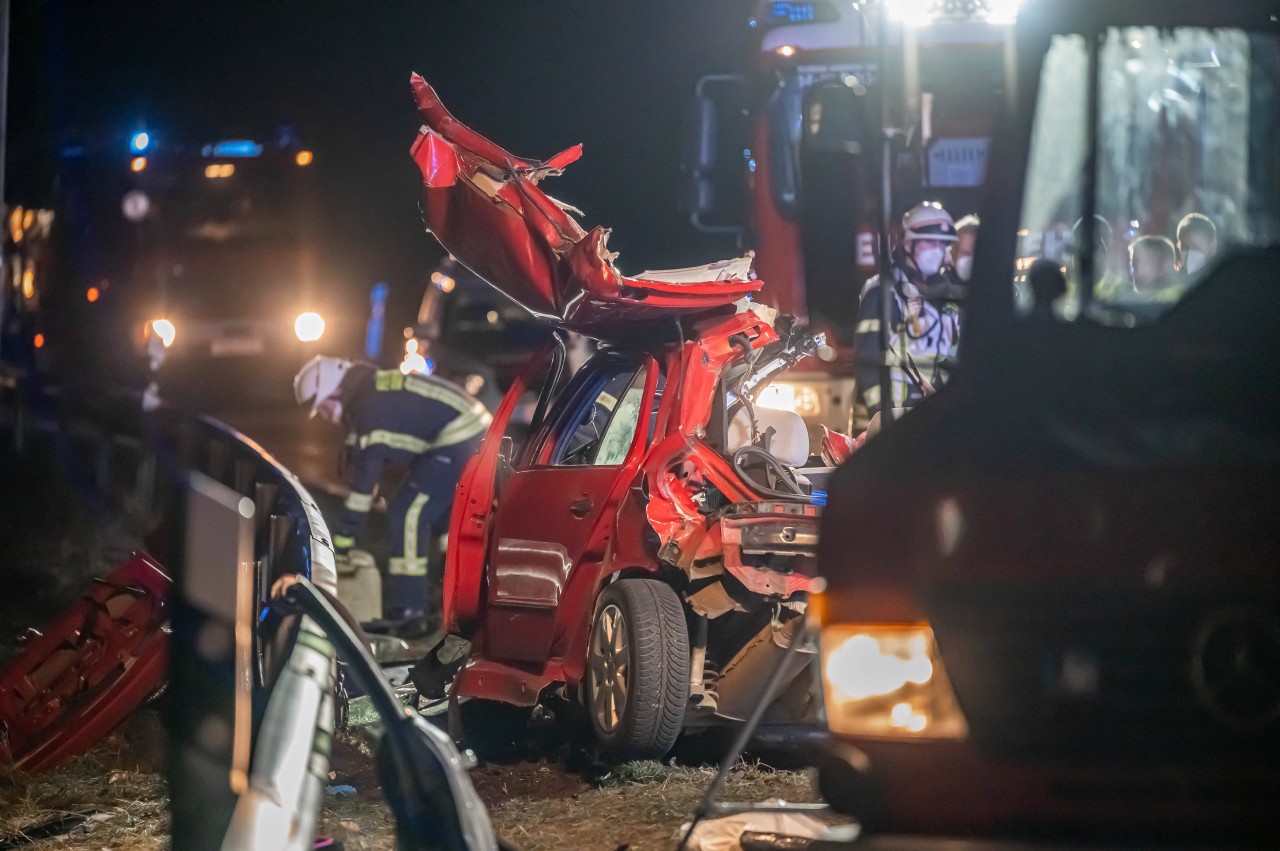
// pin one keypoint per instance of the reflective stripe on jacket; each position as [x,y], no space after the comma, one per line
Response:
[924,334]
[396,419]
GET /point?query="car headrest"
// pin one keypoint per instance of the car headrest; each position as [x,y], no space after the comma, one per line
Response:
[790,440]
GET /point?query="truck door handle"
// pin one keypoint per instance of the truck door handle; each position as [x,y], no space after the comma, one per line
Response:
[580,506]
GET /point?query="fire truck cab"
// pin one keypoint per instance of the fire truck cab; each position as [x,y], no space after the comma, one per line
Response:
[803,130]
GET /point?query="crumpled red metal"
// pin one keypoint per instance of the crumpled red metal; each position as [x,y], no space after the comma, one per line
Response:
[485,206]
[97,663]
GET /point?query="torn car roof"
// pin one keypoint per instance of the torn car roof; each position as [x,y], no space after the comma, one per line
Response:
[486,208]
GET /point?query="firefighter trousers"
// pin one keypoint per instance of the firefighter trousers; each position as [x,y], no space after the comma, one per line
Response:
[417,511]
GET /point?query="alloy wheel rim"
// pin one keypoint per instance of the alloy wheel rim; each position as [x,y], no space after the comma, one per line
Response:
[610,669]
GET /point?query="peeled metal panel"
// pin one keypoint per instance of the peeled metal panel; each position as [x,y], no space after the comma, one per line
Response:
[487,208]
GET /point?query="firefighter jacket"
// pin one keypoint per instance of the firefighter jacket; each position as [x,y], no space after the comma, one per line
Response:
[924,333]
[397,419]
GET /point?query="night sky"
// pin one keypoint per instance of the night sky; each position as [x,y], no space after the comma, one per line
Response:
[534,75]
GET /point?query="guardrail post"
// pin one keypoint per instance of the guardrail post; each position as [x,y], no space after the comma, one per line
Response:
[243,481]
[264,499]
[145,484]
[19,424]
[12,394]
[219,454]
[280,530]
[102,470]
[187,441]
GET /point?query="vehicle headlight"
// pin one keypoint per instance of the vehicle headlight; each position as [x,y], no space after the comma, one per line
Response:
[165,330]
[803,398]
[887,681]
[309,326]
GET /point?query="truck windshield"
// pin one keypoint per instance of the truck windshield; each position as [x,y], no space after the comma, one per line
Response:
[1187,167]
[232,237]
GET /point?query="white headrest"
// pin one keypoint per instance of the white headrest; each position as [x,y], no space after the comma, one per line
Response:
[790,441]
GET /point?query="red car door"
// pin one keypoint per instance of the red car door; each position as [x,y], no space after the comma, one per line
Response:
[556,509]
[472,516]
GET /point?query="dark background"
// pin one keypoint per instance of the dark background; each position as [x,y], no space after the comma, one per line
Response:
[534,75]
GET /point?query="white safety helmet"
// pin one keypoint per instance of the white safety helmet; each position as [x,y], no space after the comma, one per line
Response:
[928,221]
[318,380]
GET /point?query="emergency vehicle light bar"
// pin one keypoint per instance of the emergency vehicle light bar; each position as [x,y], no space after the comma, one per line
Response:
[785,13]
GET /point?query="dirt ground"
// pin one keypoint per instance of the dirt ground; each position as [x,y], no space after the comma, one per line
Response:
[114,798]
[536,803]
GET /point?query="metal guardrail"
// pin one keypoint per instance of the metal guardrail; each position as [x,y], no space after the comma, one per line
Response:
[279,787]
[141,467]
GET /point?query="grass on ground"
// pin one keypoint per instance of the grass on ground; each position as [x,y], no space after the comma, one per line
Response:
[97,801]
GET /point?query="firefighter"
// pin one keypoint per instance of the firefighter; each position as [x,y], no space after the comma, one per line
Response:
[1109,284]
[925,318]
[423,425]
[962,251]
[1153,260]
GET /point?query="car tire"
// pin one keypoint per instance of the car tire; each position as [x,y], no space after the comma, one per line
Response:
[637,678]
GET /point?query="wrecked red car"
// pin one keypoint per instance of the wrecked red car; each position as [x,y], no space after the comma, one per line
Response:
[645,551]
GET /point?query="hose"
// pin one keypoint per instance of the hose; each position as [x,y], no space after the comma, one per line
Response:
[778,468]
[740,341]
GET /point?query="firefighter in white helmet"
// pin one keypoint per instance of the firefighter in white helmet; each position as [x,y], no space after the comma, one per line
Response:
[925,319]
[426,426]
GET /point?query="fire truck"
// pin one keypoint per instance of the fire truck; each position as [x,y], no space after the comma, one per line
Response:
[848,115]
[204,258]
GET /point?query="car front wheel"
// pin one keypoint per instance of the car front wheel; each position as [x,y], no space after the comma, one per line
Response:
[638,669]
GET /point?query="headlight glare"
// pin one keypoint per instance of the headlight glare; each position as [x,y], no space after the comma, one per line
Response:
[883,680]
[309,326]
[165,330]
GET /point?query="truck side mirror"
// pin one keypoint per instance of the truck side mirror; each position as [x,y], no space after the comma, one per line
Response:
[838,119]
[713,196]
[839,150]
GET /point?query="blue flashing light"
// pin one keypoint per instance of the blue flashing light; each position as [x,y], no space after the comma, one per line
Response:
[428,366]
[140,141]
[784,11]
[377,318]
[235,148]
